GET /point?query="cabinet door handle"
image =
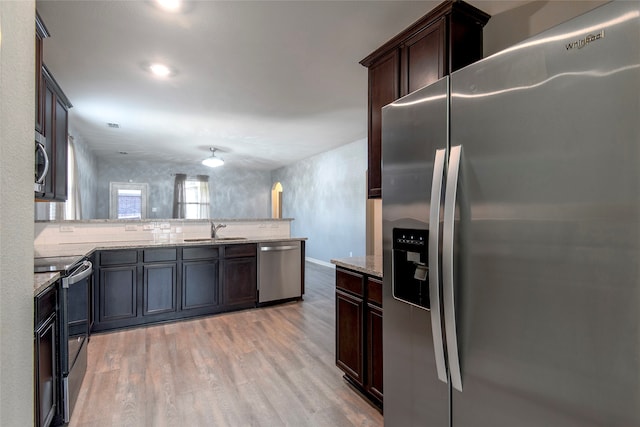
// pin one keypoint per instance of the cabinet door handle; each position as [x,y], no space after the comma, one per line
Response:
[277,248]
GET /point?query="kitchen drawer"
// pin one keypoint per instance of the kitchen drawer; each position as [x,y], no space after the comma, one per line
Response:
[374,291]
[349,281]
[156,255]
[240,250]
[200,252]
[118,257]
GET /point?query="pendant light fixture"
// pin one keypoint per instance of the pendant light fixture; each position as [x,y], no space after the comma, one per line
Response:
[213,161]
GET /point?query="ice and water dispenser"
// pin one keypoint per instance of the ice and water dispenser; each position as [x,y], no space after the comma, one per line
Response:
[410,266]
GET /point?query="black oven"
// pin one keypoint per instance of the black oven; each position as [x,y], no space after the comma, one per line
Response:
[75,314]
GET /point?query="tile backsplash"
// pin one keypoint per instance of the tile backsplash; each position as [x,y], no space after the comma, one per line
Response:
[159,231]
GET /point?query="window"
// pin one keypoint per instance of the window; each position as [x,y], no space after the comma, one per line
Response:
[128,200]
[191,197]
[129,204]
[197,199]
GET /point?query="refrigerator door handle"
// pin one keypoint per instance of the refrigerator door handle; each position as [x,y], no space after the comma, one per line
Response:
[447,266]
[434,271]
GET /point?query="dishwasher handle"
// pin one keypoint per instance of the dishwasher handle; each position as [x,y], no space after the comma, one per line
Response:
[277,248]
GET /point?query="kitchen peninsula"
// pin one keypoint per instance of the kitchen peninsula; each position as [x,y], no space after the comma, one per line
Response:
[163,270]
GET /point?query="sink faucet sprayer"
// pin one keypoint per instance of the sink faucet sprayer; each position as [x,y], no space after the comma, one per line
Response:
[215,228]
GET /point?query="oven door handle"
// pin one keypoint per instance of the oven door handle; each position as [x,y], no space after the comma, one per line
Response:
[81,273]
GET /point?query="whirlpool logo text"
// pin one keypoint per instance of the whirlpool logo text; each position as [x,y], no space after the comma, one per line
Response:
[579,44]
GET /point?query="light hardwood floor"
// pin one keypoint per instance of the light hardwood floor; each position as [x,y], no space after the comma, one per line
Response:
[271,366]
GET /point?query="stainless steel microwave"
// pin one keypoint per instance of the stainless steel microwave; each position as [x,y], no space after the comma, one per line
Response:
[41,163]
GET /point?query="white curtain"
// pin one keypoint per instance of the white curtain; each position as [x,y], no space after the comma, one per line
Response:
[179,196]
[204,196]
[73,206]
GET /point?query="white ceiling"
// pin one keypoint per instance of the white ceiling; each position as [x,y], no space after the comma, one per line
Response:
[266,82]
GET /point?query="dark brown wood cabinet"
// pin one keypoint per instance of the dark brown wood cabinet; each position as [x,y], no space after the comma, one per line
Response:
[444,40]
[117,291]
[46,372]
[160,288]
[149,285]
[349,335]
[41,34]
[384,75]
[61,144]
[200,282]
[423,57]
[48,107]
[373,346]
[51,122]
[55,130]
[359,331]
[116,288]
[240,278]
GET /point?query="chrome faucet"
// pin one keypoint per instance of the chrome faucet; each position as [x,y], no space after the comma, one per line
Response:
[215,228]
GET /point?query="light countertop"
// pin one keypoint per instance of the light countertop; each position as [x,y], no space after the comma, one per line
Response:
[371,265]
[147,220]
[87,249]
[42,280]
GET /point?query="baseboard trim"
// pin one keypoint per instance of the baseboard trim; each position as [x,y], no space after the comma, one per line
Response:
[320,262]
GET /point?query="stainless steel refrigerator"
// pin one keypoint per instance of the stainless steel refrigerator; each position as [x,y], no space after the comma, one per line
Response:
[511,235]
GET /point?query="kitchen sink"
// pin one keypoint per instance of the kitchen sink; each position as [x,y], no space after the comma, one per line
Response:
[217,239]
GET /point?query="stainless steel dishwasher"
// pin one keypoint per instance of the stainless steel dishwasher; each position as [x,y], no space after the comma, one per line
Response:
[279,267]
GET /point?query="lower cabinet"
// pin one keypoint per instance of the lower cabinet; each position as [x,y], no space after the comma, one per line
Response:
[200,284]
[160,289]
[46,374]
[143,286]
[359,331]
[349,335]
[117,291]
[374,351]
[239,284]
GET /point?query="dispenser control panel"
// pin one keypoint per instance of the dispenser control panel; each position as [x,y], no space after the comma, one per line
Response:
[410,269]
[405,238]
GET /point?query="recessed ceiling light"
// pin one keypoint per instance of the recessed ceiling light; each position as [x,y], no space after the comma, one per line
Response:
[160,70]
[170,5]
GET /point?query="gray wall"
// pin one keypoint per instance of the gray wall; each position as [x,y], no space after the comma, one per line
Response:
[16,212]
[326,195]
[235,193]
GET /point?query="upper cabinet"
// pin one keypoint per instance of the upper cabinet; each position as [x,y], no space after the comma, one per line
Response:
[51,124]
[445,40]
[41,34]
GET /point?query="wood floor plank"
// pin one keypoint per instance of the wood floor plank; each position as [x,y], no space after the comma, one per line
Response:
[272,366]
